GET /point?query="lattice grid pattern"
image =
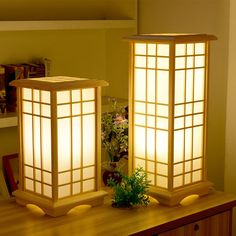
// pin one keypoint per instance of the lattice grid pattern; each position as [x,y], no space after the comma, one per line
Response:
[156,126]
[75,121]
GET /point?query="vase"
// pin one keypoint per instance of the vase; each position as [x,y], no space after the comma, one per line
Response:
[111,171]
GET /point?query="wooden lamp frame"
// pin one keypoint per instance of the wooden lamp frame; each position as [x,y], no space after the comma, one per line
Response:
[55,202]
[175,179]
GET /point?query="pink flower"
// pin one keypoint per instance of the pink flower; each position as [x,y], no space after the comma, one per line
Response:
[120,120]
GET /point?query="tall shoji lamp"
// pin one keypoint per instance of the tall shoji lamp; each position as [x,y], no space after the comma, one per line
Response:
[59,129]
[168,113]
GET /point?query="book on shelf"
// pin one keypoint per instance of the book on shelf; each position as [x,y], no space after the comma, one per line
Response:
[16,72]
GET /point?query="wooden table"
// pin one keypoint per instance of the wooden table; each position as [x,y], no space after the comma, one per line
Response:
[155,219]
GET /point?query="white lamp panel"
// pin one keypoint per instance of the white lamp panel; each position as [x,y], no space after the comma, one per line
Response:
[64,191]
[88,107]
[76,175]
[29,172]
[63,110]
[63,97]
[162,169]
[179,86]
[140,85]
[189,86]
[27,139]
[151,62]
[140,119]
[161,181]
[140,61]
[178,146]
[27,107]
[162,110]
[64,144]
[76,109]
[163,50]
[151,85]
[38,187]
[46,143]
[88,94]
[36,95]
[200,48]
[36,108]
[76,188]
[162,146]
[162,87]
[151,49]
[47,177]
[163,63]
[64,178]
[180,49]
[88,172]
[45,97]
[188,143]
[45,110]
[88,139]
[140,48]
[178,181]
[37,142]
[199,84]
[190,48]
[88,185]
[139,141]
[76,95]
[140,107]
[150,144]
[29,184]
[27,94]
[76,142]
[38,175]
[197,141]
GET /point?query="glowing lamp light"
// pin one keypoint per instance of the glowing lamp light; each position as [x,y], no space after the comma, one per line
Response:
[59,129]
[168,111]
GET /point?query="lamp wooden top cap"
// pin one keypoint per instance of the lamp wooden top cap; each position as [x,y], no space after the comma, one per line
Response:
[56,83]
[177,38]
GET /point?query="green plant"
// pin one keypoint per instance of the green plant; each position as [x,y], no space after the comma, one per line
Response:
[115,132]
[132,190]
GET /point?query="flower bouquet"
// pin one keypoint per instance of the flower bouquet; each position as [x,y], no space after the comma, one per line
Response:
[115,137]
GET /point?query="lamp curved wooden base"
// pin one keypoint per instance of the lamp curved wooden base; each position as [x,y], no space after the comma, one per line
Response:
[172,198]
[62,206]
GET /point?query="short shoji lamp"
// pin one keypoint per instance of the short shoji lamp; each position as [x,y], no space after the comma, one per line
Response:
[59,129]
[168,112]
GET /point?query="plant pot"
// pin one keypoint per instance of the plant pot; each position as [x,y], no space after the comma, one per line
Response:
[111,171]
[108,174]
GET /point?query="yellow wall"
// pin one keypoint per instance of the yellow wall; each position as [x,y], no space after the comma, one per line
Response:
[199,16]
[92,53]
[230,157]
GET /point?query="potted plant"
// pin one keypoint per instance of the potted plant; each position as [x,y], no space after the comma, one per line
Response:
[132,190]
[114,139]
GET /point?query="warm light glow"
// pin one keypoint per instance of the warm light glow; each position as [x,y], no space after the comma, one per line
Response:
[75,122]
[59,136]
[162,77]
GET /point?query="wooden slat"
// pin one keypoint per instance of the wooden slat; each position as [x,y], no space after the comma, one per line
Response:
[57,83]
[168,38]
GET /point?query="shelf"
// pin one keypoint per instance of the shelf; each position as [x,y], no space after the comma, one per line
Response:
[8,120]
[65,25]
